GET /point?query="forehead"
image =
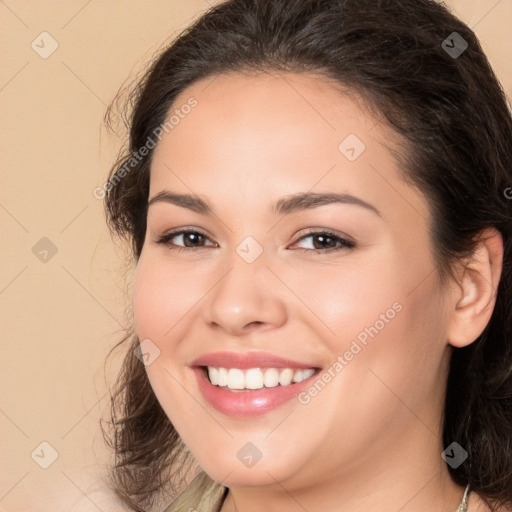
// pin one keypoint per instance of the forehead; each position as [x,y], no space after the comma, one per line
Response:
[264,111]
[254,136]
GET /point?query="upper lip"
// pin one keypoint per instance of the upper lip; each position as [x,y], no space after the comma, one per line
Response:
[248,360]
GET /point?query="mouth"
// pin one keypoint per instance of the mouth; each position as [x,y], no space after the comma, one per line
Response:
[250,379]
[251,384]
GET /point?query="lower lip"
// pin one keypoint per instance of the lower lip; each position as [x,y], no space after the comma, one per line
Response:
[246,403]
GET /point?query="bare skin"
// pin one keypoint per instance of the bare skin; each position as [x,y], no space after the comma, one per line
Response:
[476,504]
[371,439]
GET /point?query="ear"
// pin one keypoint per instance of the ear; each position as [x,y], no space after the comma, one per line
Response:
[476,289]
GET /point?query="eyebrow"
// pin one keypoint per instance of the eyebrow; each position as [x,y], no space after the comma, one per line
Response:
[284,206]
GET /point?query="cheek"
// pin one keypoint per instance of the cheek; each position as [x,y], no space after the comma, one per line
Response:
[384,313]
[347,297]
[390,345]
[162,296]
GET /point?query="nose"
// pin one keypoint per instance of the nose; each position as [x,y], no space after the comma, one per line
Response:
[246,298]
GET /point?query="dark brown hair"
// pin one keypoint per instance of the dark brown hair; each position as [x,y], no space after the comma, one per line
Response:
[453,116]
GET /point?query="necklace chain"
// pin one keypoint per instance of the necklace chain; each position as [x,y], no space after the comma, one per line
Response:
[463,505]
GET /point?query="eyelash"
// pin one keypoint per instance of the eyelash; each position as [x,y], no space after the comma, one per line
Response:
[345,244]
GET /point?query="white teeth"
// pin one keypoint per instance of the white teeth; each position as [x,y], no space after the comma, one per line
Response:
[285,377]
[256,378]
[297,377]
[307,373]
[223,377]
[213,373]
[236,379]
[253,379]
[271,378]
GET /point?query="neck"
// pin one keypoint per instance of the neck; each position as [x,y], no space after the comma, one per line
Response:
[405,480]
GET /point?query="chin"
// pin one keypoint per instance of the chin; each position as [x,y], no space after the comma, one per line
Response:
[231,471]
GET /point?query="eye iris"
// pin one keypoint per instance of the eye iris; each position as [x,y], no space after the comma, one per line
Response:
[321,237]
[187,237]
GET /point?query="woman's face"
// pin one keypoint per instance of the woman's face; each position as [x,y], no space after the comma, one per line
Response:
[255,290]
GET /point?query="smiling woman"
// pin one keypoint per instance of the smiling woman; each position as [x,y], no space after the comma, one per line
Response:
[322,296]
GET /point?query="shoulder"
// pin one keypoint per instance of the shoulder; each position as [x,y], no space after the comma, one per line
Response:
[202,495]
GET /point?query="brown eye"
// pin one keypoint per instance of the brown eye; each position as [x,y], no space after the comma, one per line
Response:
[324,241]
[189,239]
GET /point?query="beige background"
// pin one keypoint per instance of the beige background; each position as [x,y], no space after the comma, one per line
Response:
[61,316]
